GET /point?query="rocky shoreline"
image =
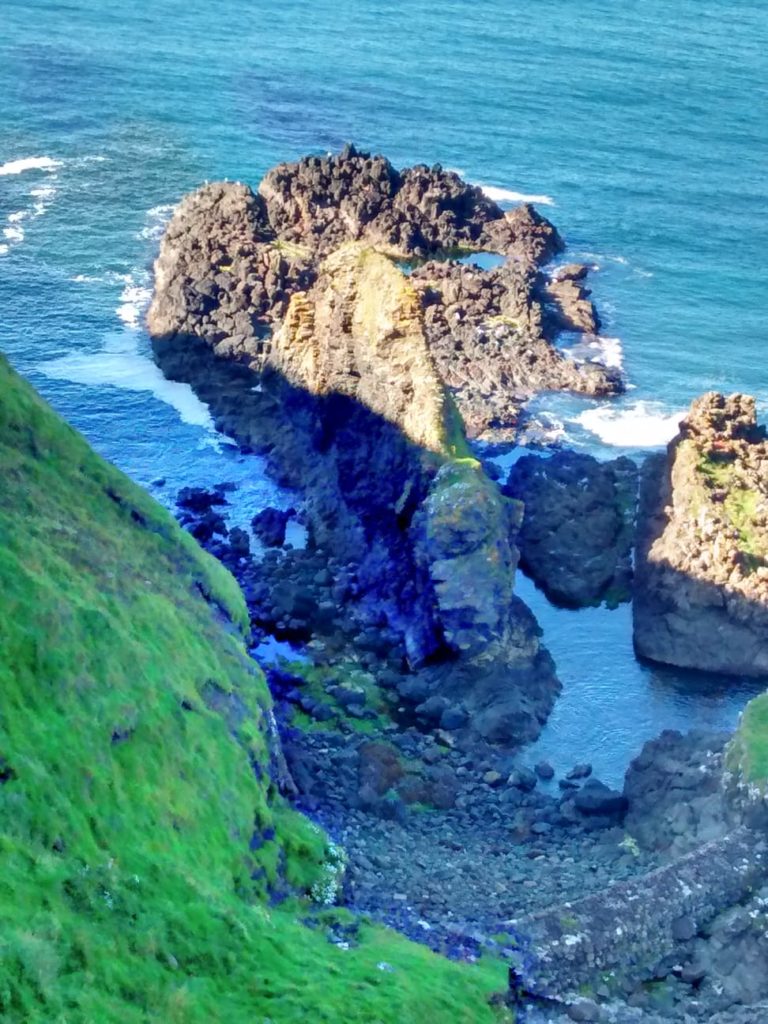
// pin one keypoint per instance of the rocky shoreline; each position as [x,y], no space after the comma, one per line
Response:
[334,322]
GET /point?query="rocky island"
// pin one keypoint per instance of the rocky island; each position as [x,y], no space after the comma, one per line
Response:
[373,333]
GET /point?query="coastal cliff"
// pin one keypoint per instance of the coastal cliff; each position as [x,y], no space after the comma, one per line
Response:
[701,595]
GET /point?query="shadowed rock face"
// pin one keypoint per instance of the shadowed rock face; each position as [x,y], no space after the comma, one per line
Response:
[577,532]
[702,554]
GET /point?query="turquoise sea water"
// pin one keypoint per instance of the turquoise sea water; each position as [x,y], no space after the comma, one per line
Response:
[642,128]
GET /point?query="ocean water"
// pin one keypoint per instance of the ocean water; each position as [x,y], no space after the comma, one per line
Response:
[640,129]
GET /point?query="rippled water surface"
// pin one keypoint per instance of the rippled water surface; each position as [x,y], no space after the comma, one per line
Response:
[640,129]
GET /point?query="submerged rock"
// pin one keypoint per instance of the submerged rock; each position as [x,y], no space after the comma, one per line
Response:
[701,595]
[578,528]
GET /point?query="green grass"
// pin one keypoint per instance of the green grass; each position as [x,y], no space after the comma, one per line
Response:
[345,673]
[741,506]
[133,755]
[748,751]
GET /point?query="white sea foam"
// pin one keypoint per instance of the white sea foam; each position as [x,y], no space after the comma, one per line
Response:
[29,163]
[642,425]
[42,196]
[109,277]
[121,364]
[599,349]
[622,261]
[157,218]
[506,195]
[134,300]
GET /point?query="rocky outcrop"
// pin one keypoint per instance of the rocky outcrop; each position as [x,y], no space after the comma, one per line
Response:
[293,314]
[674,789]
[577,532]
[231,261]
[621,934]
[322,202]
[490,334]
[701,595]
[568,298]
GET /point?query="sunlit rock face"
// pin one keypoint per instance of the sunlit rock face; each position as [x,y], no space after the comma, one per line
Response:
[701,596]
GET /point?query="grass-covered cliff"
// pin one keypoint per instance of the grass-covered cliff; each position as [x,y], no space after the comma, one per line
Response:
[140,837]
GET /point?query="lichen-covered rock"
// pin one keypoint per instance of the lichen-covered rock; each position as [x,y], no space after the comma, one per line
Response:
[621,934]
[732,955]
[578,527]
[701,593]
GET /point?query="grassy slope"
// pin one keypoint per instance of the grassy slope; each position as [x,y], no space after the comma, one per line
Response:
[127,889]
[749,749]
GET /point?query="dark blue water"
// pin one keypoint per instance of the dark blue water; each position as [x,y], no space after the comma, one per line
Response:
[640,128]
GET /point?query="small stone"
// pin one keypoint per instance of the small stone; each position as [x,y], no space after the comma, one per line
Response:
[545,770]
[580,771]
[683,928]
[493,778]
[454,717]
[584,1010]
[523,778]
[541,828]
[692,975]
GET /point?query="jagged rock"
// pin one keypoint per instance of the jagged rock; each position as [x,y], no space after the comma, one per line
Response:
[674,791]
[595,798]
[701,593]
[570,305]
[732,954]
[578,528]
[269,526]
[491,342]
[198,500]
[322,202]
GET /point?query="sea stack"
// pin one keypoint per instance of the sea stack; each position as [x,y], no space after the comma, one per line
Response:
[701,594]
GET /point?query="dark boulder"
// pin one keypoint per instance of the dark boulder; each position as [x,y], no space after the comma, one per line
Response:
[595,798]
[269,526]
[578,525]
